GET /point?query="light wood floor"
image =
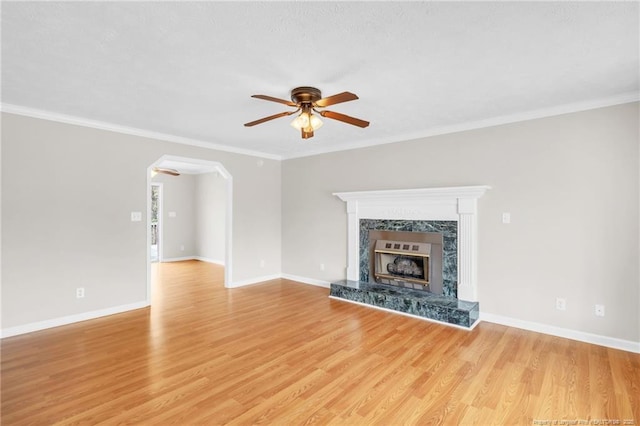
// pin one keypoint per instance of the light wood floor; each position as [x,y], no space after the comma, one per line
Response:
[284,353]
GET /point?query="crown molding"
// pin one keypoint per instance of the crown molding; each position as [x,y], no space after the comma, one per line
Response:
[620,99]
[102,125]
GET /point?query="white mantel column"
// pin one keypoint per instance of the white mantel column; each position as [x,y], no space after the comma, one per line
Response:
[467,250]
[353,241]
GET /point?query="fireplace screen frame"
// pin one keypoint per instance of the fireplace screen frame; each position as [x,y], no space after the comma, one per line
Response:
[416,232]
[418,254]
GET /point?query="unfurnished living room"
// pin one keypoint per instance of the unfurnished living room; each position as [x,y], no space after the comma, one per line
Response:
[343,213]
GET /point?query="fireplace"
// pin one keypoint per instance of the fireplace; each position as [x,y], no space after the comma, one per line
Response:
[452,211]
[448,214]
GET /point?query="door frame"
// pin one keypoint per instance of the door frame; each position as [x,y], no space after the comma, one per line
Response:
[212,166]
[160,219]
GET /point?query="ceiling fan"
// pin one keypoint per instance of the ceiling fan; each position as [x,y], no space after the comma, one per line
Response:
[307,100]
[164,170]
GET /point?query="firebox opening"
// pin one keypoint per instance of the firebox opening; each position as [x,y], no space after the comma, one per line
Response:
[403,263]
[406,259]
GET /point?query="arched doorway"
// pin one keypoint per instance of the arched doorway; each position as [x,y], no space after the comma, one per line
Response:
[193,166]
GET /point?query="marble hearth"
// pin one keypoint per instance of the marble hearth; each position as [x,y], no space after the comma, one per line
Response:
[450,211]
[444,309]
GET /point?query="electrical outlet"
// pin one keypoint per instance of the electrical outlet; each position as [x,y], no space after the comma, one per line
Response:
[79,292]
[561,304]
[181,248]
[599,310]
[262,263]
[506,217]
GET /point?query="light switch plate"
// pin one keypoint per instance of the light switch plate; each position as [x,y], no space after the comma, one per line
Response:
[136,216]
[172,214]
[506,217]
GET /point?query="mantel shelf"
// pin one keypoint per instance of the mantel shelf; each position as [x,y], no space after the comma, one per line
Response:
[454,192]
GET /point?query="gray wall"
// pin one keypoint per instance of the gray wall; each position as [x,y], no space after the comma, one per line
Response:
[178,232]
[570,182]
[210,203]
[67,195]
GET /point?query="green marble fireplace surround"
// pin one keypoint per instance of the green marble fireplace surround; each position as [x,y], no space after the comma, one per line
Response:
[447,228]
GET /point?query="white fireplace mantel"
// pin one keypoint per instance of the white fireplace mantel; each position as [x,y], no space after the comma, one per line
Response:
[453,203]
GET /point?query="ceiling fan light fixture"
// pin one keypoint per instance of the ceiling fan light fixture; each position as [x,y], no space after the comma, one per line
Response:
[301,121]
[314,122]
[307,121]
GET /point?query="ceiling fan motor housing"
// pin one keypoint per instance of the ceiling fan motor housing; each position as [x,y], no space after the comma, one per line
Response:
[305,95]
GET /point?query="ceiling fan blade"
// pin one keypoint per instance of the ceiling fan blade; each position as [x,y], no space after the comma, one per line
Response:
[344,118]
[272,99]
[271,117]
[171,172]
[336,99]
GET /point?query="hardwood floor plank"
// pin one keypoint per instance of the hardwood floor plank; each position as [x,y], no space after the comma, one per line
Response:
[284,353]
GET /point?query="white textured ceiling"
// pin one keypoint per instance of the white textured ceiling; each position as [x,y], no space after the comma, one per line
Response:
[187,69]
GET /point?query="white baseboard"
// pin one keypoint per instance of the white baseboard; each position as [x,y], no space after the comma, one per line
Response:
[305,280]
[581,336]
[200,258]
[259,280]
[256,280]
[178,259]
[611,342]
[209,260]
[56,322]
